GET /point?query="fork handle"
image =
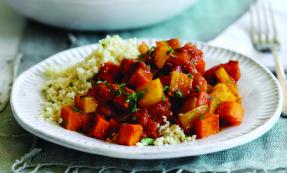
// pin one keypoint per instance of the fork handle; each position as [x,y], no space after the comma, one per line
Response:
[282,80]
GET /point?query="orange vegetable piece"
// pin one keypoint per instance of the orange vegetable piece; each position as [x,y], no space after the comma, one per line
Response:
[231,113]
[180,81]
[174,43]
[130,134]
[73,120]
[87,104]
[143,48]
[100,128]
[207,125]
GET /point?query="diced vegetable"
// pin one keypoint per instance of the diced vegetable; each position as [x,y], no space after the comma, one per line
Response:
[231,113]
[130,134]
[199,84]
[223,77]
[174,43]
[87,104]
[180,82]
[222,93]
[101,92]
[232,68]
[207,125]
[140,78]
[100,128]
[72,118]
[162,52]
[109,72]
[195,101]
[214,102]
[200,66]
[153,93]
[143,48]
[188,119]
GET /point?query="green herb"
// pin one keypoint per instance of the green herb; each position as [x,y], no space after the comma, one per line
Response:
[189,75]
[132,99]
[71,84]
[50,85]
[118,92]
[170,50]
[151,51]
[165,88]
[201,117]
[147,141]
[163,98]
[197,89]
[104,45]
[178,93]
[142,57]
[75,109]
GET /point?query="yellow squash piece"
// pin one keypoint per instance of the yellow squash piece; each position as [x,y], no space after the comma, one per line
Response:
[161,53]
[223,77]
[188,119]
[153,93]
[222,93]
[180,81]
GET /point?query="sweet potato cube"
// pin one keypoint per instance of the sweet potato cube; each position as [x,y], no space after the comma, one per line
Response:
[222,93]
[161,53]
[232,68]
[174,43]
[153,93]
[223,77]
[180,81]
[231,113]
[72,119]
[130,134]
[100,128]
[87,104]
[207,125]
[188,119]
[140,78]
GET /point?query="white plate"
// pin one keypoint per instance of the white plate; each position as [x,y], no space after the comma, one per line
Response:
[261,98]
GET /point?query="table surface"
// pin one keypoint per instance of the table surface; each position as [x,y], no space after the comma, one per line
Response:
[194,24]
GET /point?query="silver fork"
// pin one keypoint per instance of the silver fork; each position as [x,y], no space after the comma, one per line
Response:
[265,39]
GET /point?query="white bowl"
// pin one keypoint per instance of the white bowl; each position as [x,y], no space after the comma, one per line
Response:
[100,14]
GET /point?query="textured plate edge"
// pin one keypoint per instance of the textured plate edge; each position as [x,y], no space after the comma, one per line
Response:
[260,130]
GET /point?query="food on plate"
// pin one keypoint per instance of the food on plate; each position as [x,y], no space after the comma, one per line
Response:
[130,93]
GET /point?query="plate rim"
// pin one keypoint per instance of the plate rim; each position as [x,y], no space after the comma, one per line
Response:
[222,145]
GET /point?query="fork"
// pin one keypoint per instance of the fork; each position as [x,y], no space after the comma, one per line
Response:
[264,38]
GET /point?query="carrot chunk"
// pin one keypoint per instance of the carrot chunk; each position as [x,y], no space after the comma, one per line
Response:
[130,134]
[100,128]
[73,119]
[231,113]
[207,125]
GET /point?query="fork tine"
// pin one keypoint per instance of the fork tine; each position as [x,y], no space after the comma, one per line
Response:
[266,22]
[270,10]
[253,32]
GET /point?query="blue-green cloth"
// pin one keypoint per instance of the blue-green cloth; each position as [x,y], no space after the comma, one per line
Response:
[205,20]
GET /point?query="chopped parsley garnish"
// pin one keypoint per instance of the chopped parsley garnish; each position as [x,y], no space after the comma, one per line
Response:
[75,109]
[147,141]
[132,99]
[118,92]
[142,57]
[189,75]
[201,117]
[178,93]
[151,51]
[165,88]
[170,50]
[197,89]
[163,98]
